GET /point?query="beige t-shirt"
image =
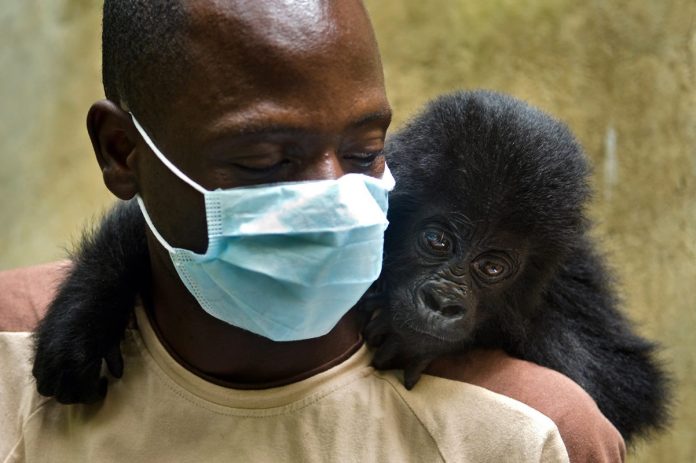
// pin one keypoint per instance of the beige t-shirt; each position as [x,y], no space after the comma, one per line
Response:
[159,411]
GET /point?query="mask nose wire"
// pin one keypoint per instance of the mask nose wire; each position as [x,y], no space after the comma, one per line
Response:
[174,169]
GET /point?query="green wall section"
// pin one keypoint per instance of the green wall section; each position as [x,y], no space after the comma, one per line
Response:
[621,73]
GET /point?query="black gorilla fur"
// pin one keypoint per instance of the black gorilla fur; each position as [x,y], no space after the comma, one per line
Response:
[487,246]
[89,315]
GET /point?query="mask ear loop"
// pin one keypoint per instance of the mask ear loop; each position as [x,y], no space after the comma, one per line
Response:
[154,231]
[174,169]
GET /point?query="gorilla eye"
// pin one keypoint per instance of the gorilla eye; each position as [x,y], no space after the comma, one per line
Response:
[436,241]
[492,268]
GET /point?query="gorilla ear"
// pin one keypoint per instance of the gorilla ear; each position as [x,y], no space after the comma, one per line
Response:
[112,133]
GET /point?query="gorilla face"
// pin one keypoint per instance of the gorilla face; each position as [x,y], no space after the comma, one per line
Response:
[449,273]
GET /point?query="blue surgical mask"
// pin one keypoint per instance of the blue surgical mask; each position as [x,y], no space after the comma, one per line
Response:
[287,260]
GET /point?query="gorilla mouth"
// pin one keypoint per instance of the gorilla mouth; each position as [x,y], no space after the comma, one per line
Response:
[439,333]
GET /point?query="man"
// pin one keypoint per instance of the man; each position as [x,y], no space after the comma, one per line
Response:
[225,95]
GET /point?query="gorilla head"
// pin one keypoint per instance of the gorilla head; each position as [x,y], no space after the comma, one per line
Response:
[489,202]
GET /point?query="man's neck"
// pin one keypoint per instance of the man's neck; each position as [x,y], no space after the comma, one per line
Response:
[232,357]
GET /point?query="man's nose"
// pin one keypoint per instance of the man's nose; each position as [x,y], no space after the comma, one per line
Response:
[326,167]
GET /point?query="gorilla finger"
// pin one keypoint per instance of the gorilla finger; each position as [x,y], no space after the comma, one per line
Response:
[80,386]
[46,375]
[375,332]
[95,393]
[370,303]
[413,372]
[373,339]
[114,361]
[386,356]
[46,383]
[84,394]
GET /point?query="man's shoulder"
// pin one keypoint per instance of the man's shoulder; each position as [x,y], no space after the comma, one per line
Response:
[24,296]
[471,423]
[18,396]
[26,292]
[586,432]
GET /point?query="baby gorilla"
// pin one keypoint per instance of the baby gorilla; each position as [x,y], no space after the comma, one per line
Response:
[487,246]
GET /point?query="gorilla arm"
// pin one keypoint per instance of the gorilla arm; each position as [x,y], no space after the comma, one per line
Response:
[88,317]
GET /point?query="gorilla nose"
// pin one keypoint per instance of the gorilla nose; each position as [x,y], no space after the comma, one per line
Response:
[442,305]
[452,310]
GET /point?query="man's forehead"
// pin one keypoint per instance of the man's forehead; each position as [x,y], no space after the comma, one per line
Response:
[240,52]
[280,24]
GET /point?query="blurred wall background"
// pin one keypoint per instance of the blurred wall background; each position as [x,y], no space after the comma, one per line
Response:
[621,73]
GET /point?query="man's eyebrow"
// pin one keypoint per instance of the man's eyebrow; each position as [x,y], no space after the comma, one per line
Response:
[253,129]
[383,115]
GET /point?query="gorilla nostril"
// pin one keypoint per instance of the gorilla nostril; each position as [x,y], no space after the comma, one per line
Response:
[436,305]
[431,302]
[452,310]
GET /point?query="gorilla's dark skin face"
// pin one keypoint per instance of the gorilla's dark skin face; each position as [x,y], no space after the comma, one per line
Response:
[442,305]
[274,93]
[462,272]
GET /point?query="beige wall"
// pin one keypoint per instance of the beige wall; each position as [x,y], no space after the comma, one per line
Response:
[49,74]
[622,73]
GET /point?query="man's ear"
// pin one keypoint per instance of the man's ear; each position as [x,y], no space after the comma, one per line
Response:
[113,138]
